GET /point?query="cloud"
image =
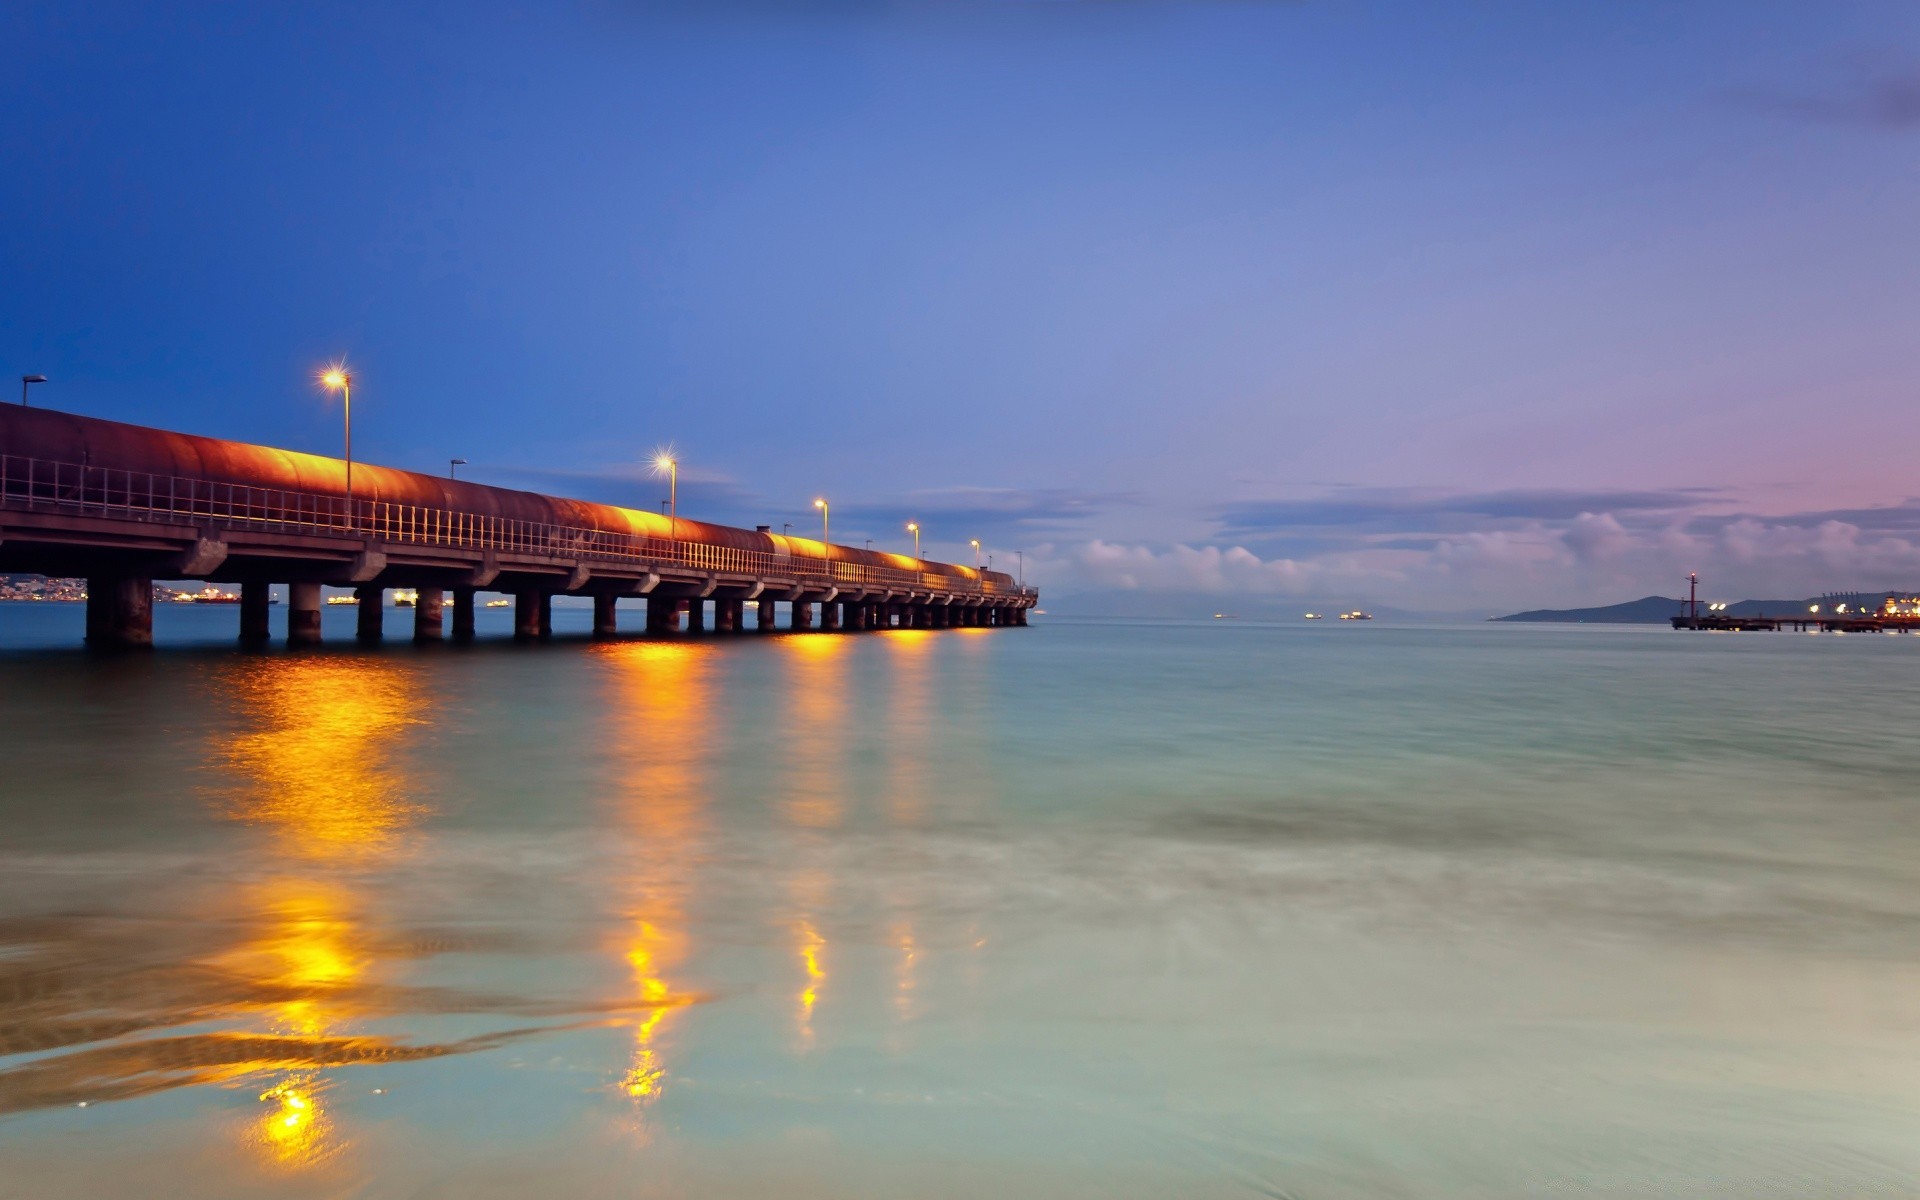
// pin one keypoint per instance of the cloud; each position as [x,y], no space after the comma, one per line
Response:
[1596,536]
[1874,97]
[995,510]
[1410,510]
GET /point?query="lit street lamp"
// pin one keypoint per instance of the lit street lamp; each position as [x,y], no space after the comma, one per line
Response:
[822,506]
[975,543]
[452,463]
[338,379]
[914,527]
[27,381]
[665,462]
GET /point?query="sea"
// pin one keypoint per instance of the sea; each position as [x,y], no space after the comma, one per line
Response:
[1100,908]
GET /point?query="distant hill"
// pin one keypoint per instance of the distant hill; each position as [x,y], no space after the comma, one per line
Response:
[1657,610]
[1648,610]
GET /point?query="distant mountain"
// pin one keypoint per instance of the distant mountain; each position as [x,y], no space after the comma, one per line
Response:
[1648,610]
[1657,610]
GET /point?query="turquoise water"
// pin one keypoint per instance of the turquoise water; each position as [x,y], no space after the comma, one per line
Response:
[1115,909]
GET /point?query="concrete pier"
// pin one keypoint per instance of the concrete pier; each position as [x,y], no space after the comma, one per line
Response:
[526,616]
[303,613]
[119,612]
[663,615]
[427,616]
[463,606]
[605,621]
[696,616]
[139,502]
[370,618]
[255,612]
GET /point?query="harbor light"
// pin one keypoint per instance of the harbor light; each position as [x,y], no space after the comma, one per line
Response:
[913,527]
[337,378]
[664,463]
[821,504]
[1813,608]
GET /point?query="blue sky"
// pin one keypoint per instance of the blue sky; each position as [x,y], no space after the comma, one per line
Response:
[1434,306]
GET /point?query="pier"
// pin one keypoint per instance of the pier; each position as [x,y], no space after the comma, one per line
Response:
[123,505]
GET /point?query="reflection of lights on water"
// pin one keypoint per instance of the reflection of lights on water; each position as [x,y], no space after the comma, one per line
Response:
[658,710]
[904,981]
[319,765]
[811,944]
[296,1131]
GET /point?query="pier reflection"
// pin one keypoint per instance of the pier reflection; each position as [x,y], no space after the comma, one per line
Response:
[321,770]
[815,802]
[660,715]
[260,973]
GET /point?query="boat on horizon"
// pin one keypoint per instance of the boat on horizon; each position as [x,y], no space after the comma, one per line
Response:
[1356,615]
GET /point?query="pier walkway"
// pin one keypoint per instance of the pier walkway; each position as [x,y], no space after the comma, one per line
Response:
[123,505]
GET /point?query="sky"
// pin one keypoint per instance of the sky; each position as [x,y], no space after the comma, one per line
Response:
[1177,305]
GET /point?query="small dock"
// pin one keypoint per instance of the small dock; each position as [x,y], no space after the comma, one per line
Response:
[1865,622]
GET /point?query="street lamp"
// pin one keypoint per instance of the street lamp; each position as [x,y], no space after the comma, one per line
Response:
[27,381]
[914,528]
[452,463]
[665,462]
[821,504]
[975,543]
[337,379]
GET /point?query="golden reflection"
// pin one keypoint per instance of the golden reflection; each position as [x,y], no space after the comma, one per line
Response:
[903,998]
[660,710]
[320,765]
[818,730]
[812,950]
[296,1130]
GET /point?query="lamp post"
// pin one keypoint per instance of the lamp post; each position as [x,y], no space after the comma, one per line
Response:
[452,463]
[339,379]
[821,504]
[666,462]
[913,527]
[27,381]
[975,543]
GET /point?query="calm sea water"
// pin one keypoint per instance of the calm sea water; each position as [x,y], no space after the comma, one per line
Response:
[1089,909]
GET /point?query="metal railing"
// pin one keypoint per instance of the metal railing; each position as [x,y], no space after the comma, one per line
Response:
[34,484]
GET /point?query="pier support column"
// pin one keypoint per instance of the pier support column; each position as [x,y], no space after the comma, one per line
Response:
[119,612]
[463,614]
[941,615]
[254,626]
[605,623]
[303,614]
[526,616]
[1019,616]
[370,618]
[802,615]
[546,615]
[696,615]
[763,619]
[724,618]
[829,617]
[428,623]
[663,615]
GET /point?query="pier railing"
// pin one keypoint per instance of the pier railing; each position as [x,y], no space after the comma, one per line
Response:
[34,484]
